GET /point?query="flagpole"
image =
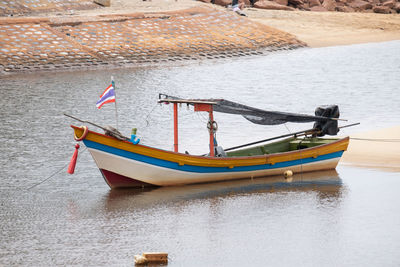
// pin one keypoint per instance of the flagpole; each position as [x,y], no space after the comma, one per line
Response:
[115,102]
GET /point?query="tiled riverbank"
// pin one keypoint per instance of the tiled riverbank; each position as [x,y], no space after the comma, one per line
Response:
[68,42]
[25,7]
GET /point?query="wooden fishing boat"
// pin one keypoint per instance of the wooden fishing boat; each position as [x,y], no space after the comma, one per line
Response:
[124,163]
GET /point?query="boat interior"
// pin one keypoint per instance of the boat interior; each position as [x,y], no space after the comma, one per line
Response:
[286,145]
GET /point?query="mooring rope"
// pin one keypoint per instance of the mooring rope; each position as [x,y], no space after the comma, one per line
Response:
[287,128]
[375,139]
[146,119]
[53,174]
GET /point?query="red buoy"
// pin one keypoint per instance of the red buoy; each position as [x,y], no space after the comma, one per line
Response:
[71,167]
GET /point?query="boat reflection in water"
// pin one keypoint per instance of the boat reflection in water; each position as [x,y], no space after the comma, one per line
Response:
[326,184]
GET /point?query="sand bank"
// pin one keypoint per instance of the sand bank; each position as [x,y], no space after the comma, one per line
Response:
[320,29]
[377,149]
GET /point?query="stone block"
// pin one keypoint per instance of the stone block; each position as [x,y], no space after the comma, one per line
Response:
[282,2]
[223,2]
[313,3]
[360,5]
[397,7]
[105,3]
[329,5]
[382,9]
[296,2]
[263,4]
[318,9]
[344,9]
[390,3]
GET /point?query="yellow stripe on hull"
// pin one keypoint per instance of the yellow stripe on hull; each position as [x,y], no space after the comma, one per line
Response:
[231,162]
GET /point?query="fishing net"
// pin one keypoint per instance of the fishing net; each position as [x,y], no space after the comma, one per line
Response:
[263,117]
[324,115]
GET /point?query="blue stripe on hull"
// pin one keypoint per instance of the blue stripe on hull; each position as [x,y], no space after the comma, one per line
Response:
[202,169]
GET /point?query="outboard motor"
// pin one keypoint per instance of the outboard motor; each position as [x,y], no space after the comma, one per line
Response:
[329,127]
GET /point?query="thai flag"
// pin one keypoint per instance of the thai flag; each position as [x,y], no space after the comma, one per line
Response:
[108,96]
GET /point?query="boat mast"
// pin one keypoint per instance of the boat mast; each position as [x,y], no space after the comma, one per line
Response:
[175,127]
[210,125]
[199,105]
[211,122]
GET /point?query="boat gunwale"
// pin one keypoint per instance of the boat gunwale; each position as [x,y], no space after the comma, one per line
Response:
[196,160]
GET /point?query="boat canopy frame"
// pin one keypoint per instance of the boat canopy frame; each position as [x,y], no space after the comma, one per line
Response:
[325,120]
[199,105]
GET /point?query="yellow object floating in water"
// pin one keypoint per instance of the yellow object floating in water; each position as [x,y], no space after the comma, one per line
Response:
[288,173]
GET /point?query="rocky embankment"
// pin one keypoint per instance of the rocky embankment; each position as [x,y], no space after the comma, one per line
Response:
[74,42]
[376,6]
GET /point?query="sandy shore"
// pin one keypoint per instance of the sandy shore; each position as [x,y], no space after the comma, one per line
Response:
[317,29]
[320,29]
[377,149]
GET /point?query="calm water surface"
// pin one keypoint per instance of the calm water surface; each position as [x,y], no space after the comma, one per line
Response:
[347,217]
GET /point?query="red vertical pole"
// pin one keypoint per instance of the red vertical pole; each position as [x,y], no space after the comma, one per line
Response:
[212,154]
[175,127]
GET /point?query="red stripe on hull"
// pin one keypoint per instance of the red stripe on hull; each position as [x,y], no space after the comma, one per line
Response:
[115,180]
